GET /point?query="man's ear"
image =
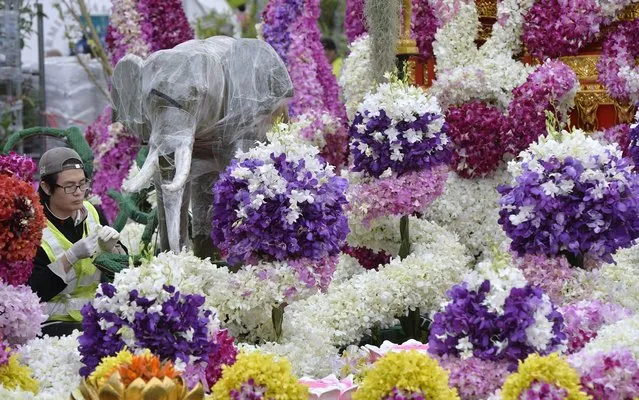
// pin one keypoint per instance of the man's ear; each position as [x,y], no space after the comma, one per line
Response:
[46,188]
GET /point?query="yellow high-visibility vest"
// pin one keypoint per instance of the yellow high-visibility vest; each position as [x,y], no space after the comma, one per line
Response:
[67,304]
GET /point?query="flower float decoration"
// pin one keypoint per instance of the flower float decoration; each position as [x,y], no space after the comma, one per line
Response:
[549,377]
[405,375]
[140,377]
[21,314]
[610,375]
[261,376]
[20,166]
[558,200]
[617,67]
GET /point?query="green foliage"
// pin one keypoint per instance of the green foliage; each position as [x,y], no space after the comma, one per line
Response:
[28,14]
[213,24]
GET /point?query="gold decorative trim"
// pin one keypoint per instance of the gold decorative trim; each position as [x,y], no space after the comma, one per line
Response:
[585,66]
[587,103]
[629,13]
[487,8]
[625,113]
[406,45]
[484,32]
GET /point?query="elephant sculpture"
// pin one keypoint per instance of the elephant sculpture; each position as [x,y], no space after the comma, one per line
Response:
[196,105]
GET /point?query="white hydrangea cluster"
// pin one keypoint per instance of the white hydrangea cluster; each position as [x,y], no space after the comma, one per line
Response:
[470,208]
[55,362]
[621,335]
[356,72]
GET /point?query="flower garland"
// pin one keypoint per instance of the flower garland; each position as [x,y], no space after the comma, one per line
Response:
[474,378]
[156,16]
[114,151]
[558,201]
[356,72]
[584,319]
[22,220]
[354,20]
[20,166]
[552,87]
[55,362]
[15,376]
[424,25]
[470,208]
[21,313]
[278,16]
[620,335]
[609,376]
[123,33]
[405,373]
[256,371]
[633,146]
[494,315]
[279,201]
[477,131]
[172,325]
[537,371]
[617,67]
[555,28]
[621,135]
[549,274]
[313,327]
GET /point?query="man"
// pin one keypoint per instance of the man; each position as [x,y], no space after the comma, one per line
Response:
[330,50]
[64,275]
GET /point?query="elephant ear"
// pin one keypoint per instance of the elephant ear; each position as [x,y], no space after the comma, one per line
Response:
[127,96]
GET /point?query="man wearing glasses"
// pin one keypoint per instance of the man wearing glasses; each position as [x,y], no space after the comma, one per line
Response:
[64,275]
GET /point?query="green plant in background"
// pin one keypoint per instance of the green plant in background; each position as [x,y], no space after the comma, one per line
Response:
[214,24]
[28,13]
[331,23]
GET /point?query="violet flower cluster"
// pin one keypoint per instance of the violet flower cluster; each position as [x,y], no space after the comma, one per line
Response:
[620,134]
[176,328]
[248,391]
[21,166]
[548,273]
[278,16]
[354,20]
[5,352]
[114,152]
[21,314]
[479,135]
[528,323]
[633,145]
[400,394]
[573,205]
[609,376]
[556,28]
[474,378]
[550,87]
[618,53]
[279,203]
[164,24]
[544,391]
[424,25]
[584,319]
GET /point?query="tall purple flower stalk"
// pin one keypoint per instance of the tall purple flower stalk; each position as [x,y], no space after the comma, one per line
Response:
[354,20]
[164,24]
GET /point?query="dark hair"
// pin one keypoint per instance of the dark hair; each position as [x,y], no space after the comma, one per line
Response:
[51,181]
[328,44]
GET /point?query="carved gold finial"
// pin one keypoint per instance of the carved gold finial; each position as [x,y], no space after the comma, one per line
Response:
[406,45]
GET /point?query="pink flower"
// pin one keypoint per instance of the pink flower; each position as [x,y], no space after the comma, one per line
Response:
[354,20]
[330,388]
[475,379]
[548,273]
[609,376]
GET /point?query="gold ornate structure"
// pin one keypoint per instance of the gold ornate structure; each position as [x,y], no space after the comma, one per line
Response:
[406,46]
[155,389]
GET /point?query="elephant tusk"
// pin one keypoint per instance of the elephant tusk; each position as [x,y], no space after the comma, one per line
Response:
[182,170]
[144,177]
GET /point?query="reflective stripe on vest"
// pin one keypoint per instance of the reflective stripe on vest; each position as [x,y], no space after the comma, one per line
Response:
[54,244]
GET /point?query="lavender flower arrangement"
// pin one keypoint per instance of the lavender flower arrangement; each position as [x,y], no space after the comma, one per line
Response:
[573,196]
[399,394]
[277,202]
[172,325]
[398,128]
[608,375]
[633,146]
[496,319]
[21,166]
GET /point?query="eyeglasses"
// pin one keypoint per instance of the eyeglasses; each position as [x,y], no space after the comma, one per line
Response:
[72,188]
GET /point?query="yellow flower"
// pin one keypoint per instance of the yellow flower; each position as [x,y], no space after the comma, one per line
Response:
[13,375]
[550,369]
[267,371]
[108,365]
[410,371]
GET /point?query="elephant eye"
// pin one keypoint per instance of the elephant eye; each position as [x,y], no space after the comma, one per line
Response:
[167,98]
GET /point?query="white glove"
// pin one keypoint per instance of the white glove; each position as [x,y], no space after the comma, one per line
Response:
[108,238]
[83,248]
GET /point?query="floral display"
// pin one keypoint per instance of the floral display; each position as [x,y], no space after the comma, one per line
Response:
[424,25]
[548,273]
[617,336]
[398,127]
[356,71]
[613,375]
[633,145]
[354,20]
[619,134]
[538,376]
[15,375]
[323,389]
[558,201]
[21,166]
[477,131]
[584,319]
[172,325]
[474,378]
[405,375]
[123,33]
[278,16]
[155,16]
[223,353]
[55,362]
[551,87]
[494,315]
[21,314]
[279,201]
[114,151]
[367,258]
[617,67]
[5,352]
[555,28]
[259,372]
[22,220]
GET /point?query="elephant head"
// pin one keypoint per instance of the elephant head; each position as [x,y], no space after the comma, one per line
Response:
[211,95]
